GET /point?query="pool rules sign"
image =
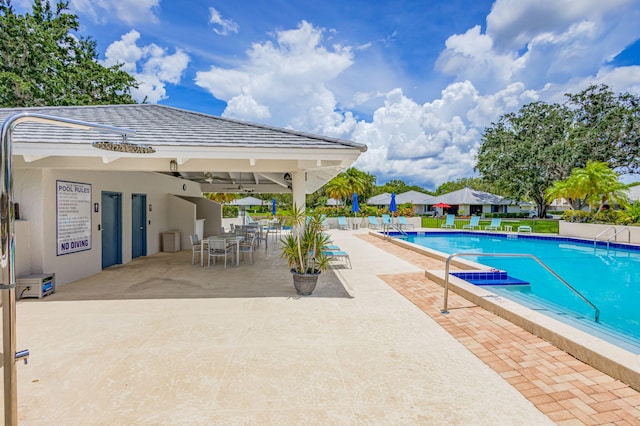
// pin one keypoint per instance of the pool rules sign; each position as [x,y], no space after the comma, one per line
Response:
[73,216]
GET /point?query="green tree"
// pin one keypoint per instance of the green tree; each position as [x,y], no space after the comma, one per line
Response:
[398,186]
[596,184]
[473,183]
[346,183]
[525,152]
[43,62]
[606,128]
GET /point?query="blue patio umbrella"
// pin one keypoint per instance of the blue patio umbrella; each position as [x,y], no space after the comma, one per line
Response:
[273,206]
[392,205]
[355,208]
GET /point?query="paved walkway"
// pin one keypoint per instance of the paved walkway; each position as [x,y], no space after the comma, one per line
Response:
[564,388]
[159,341]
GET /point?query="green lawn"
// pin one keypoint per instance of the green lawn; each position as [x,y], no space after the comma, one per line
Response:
[546,226]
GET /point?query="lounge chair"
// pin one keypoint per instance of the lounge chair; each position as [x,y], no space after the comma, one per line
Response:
[386,219]
[450,222]
[473,223]
[342,223]
[494,225]
[332,254]
[403,223]
[373,222]
[524,228]
[325,224]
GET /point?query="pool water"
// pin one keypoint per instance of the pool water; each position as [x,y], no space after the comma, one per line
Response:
[608,277]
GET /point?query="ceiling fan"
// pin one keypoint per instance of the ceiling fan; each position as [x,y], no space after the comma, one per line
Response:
[240,187]
[210,178]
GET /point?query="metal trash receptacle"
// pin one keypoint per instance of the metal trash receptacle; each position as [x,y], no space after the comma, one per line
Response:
[171,241]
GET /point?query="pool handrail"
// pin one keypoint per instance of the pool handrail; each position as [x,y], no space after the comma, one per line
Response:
[387,226]
[619,232]
[569,286]
[609,228]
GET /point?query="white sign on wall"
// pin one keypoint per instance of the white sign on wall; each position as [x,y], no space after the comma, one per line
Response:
[73,217]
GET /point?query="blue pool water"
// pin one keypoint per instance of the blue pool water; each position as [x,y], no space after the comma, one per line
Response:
[608,277]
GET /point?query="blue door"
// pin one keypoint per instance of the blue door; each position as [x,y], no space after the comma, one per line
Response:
[111,229]
[138,225]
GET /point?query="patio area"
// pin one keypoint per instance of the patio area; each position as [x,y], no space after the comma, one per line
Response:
[159,341]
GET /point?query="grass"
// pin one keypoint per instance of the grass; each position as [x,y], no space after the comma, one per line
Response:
[543,226]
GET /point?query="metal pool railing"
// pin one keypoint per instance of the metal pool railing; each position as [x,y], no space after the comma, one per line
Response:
[576,292]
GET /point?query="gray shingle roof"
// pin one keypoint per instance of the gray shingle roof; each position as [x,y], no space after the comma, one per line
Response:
[471,196]
[159,125]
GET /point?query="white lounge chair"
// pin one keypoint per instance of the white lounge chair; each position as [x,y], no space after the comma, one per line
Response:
[342,223]
[524,228]
[332,254]
[494,225]
[473,223]
[402,221]
[450,222]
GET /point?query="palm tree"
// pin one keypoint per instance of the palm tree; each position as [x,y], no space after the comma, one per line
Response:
[595,184]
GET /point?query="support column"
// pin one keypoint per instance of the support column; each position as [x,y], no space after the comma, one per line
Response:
[298,180]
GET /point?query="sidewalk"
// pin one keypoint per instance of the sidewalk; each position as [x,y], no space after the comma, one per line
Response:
[220,351]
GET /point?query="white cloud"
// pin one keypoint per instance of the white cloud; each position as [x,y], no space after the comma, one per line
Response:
[284,80]
[151,66]
[223,26]
[530,51]
[129,11]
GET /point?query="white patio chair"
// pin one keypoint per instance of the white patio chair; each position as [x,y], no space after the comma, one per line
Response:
[218,247]
[196,247]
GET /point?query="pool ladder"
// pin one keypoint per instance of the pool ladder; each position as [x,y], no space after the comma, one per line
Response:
[551,271]
[615,234]
[395,226]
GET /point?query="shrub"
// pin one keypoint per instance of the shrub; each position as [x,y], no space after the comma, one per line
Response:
[230,211]
[575,216]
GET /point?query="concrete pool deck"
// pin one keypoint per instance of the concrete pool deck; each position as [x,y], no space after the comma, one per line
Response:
[159,341]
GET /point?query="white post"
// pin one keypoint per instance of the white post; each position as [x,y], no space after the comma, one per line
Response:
[298,181]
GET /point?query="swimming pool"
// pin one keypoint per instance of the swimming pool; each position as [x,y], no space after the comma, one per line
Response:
[608,277]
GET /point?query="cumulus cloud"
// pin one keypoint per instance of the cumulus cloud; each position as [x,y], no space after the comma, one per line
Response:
[285,80]
[151,66]
[129,11]
[222,26]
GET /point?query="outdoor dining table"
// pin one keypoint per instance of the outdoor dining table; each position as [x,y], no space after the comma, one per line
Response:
[229,238]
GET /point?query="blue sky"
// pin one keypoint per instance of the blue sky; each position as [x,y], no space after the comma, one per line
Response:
[417,81]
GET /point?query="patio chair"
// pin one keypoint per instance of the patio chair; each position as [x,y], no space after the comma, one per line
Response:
[343,255]
[196,247]
[263,235]
[403,223]
[450,222]
[386,219]
[373,222]
[473,223]
[275,229]
[218,247]
[247,245]
[342,223]
[494,225]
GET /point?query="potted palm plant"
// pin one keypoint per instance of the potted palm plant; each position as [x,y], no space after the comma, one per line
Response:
[304,250]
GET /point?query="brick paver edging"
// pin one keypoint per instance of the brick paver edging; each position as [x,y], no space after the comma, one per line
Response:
[562,387]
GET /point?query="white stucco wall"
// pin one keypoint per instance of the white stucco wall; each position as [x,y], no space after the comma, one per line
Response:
[590,230]
[35,191]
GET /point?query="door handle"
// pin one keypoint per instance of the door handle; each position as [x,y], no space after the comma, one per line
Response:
[141,228]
